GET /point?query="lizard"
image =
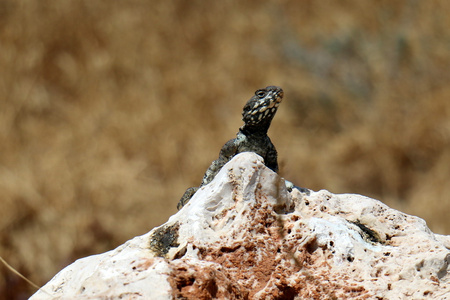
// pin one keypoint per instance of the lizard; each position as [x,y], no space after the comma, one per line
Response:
[257,115]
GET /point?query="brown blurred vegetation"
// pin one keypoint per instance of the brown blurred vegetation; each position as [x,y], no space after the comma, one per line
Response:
[111,109]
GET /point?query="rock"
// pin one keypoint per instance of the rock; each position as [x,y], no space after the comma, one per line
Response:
[244,236]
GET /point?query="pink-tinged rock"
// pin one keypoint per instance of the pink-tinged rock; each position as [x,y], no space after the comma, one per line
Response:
[244,236]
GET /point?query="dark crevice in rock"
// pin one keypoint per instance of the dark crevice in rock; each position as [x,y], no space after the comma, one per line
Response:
[312,246]
[366,233]
[286,292]
[228,249]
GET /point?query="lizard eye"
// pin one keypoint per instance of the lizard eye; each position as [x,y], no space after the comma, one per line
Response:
[260,93]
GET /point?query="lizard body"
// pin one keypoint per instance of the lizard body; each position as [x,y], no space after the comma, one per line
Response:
[257,115]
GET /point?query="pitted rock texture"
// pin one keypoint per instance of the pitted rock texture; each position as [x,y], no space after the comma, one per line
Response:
[244,236]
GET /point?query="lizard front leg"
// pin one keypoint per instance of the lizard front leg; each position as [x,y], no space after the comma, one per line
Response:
[271,157]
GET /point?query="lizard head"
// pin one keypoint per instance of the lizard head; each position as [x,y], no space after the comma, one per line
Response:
[261,108]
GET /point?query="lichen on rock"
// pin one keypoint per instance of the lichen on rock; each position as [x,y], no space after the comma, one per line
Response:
[245,236]
[163,238]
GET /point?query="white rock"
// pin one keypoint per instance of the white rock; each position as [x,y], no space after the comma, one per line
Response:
[245,236]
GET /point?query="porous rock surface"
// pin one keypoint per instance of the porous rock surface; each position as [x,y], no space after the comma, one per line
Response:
[244,236]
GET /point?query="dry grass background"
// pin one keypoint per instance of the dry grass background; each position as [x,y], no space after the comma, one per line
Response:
[110,109]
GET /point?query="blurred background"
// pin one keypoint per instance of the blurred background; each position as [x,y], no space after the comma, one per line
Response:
[109,110]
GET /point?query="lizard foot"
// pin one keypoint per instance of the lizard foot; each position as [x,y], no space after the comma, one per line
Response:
[186,197]
[290,186]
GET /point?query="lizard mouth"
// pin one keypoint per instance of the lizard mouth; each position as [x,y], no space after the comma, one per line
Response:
[276,102]
[279,96]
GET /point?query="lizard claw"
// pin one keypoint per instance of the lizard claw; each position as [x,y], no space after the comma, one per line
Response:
[186,197]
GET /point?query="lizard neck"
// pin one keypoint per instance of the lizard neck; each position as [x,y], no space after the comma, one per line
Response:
[255,130]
